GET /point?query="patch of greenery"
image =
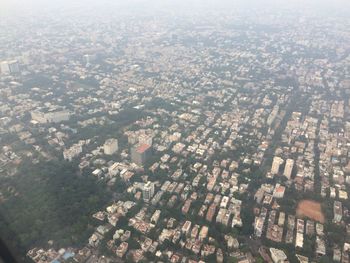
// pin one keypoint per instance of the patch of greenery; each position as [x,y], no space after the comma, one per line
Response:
[54,202]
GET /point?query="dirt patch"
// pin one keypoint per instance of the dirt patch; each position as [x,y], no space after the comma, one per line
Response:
[310,209]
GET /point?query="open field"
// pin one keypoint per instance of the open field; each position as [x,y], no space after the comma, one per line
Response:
[310,209]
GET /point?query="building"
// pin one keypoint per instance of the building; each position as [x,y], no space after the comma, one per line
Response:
[132,139]
[186,227]
[302,259]
[148,191]
[95,239]
[272,115]
[88,59]
[259,226]
[38,116]
[122,248]
[277,255]
[155,217]
[140,153]
[114,169]
[299,240]
[203,233]
[111,146]
[259,195]
[279,190]
[288,168]
[320,246]
[72,152]
[56,116]
[338,211]
[145,139]
[277,161]
[281,219]
[13,66]
[5,67]
[220,215]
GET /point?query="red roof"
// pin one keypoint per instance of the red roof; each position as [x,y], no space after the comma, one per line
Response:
[142,148]
[280,189]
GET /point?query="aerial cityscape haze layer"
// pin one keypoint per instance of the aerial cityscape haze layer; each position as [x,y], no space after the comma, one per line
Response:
[175,131]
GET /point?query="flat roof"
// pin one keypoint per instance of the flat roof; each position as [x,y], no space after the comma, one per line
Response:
[142,148]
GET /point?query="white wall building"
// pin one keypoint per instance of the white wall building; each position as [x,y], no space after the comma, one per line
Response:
[5,67]
[288,168]
[277,255]
[277,161]
[111,146]
[55,116]
[148,191]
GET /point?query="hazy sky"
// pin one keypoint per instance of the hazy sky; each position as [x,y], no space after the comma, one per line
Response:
[32,7]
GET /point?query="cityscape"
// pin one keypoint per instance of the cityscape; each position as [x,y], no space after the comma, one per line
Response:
[171,135]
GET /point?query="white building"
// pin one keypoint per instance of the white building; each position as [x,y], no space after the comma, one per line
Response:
[299,240]
[186,227]
[148,191]
[110,146]
[13,66]
[277,255]
[277,161]
[155,216]
[288,168]
[56,116]
[5,67]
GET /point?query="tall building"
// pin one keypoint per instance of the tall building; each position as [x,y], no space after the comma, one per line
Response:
[88,59]
[148,191]
[5,67]
[111,146]
[13,65]
[272,115]
[145,139]
[338,211]
[140,153]
[277,161]
[132,139]
[135,138]
[288,168]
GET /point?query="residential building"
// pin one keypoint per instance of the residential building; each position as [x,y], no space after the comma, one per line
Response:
[110,146]
[277,161]
[338,211]
[148,191]
[140,153]
[288,168]
[277,255]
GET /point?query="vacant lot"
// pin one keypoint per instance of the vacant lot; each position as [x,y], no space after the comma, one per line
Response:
[310,209]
